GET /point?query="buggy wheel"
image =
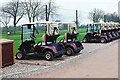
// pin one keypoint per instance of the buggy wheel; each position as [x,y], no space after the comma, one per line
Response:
[19,56]
[48,56]
[102,40]
[69,51]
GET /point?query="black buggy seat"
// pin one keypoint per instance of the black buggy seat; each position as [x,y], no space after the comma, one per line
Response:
[50,38]
[70,36]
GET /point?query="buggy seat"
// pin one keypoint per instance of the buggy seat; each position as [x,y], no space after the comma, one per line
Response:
[49,38]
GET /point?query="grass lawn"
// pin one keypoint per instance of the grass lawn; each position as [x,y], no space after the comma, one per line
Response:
[17,37]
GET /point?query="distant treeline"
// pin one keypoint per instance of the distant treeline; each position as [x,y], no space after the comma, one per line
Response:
[10,29]
[18,28]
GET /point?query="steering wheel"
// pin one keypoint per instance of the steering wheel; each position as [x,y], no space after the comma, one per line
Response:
[61,40]
[32,37]
[39,43]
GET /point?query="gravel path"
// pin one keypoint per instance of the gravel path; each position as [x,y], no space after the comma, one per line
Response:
[27,67]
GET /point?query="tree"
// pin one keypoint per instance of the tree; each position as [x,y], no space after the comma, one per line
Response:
[33,9]
[51,9]
[113,17]
[5,19]
[47,10]
[15,10]
[96,15]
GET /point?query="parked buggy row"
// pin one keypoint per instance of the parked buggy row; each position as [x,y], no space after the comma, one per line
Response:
[48,47]
[102,32]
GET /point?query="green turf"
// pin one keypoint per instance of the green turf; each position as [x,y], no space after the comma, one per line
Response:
[17,37]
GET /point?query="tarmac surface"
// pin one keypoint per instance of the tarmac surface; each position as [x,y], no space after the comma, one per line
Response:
[97,60]
[103,63]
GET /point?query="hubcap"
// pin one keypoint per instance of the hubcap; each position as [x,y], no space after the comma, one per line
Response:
[102,40]
[69,52]
[48,56]
[19,55]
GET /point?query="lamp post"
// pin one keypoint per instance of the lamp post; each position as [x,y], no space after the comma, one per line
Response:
[77,18]
[46,12]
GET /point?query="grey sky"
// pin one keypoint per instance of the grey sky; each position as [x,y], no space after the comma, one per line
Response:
[84,6]
[87,5]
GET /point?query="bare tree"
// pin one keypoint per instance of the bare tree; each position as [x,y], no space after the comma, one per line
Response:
[41,15]
[51,9]
[96,15]
[5,19]
[14,9]
[33,9]
[47,10]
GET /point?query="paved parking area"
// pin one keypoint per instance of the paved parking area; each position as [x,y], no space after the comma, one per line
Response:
[25,68]
[103,63]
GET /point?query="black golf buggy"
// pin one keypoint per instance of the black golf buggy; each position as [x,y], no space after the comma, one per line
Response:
[118,28]
[70,41]
[114,30]
[28,46]
[97,32]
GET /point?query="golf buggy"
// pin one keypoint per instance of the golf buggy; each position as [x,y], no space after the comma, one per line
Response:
[50,37]
[28,46]
[106,30]
[115,30]
[96,32]
[118,28]
[70,39]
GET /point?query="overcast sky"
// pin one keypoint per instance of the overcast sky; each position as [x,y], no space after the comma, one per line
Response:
[87,5]
[67,7]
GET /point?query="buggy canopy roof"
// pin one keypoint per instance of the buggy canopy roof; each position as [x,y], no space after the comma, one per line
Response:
[32,23]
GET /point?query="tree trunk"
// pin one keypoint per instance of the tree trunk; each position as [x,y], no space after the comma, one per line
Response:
[6,29]
[14,25]
[33,19]
[14,28]
[29,19]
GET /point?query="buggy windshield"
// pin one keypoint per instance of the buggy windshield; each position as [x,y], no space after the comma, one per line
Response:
[97,27]
[28,32]
[89,28]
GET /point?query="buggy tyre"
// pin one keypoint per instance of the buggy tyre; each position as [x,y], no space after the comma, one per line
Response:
[102,40]
[48,56]
[69,51]
[20,56]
